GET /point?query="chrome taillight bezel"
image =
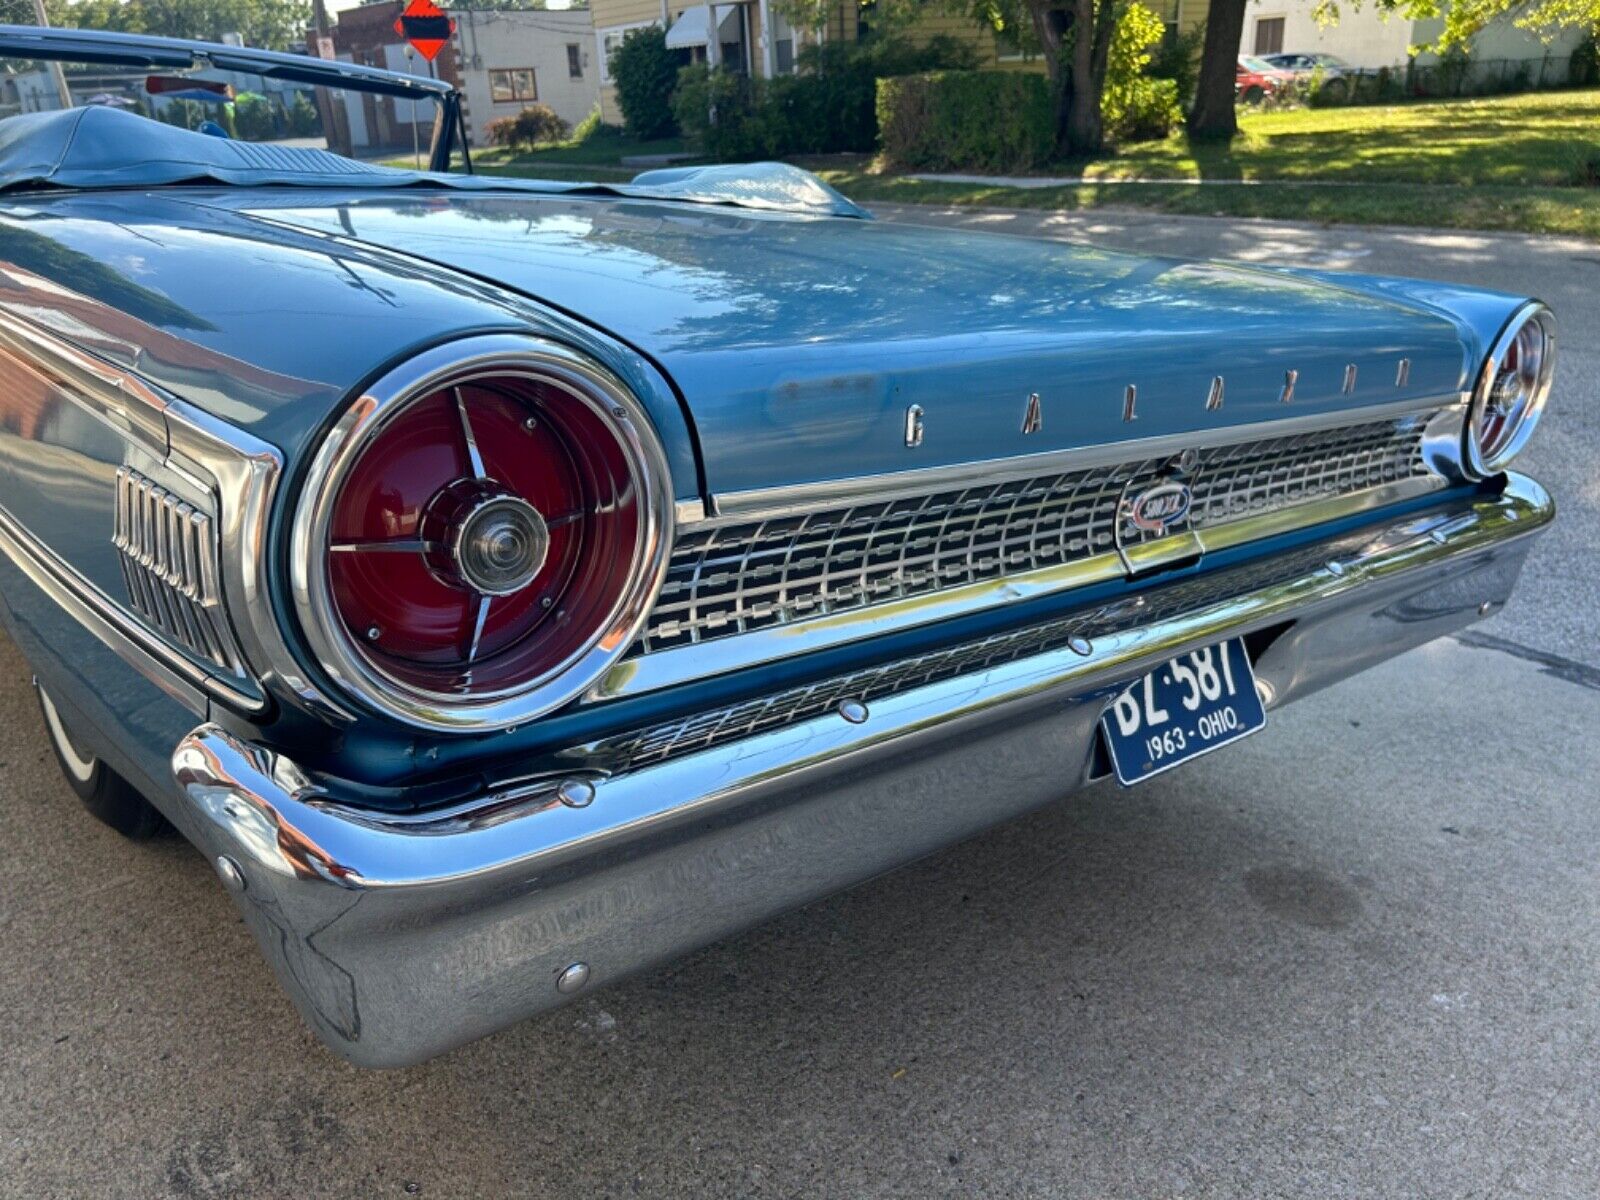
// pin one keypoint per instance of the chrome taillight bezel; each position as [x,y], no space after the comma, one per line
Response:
[355,672]
[1533,320]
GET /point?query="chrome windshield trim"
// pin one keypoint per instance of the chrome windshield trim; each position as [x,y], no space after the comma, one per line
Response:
[669,668]
[761,503]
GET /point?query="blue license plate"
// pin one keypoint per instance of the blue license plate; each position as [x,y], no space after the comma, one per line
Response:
[1186,707]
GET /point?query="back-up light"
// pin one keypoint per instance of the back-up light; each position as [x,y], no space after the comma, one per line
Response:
[482,535]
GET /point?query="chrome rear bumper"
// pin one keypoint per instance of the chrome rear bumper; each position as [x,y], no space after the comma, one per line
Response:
[401,937]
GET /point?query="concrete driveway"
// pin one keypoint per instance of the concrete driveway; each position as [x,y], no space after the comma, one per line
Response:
[1355,955]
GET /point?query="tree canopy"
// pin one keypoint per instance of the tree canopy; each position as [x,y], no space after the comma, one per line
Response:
[266,24]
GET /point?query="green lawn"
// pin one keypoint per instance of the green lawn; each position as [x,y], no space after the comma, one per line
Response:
[605,148]
[1526,163]
[1546,139]
[1511,162]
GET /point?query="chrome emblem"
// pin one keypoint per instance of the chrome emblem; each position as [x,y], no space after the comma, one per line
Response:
[1161,506]
[914,426]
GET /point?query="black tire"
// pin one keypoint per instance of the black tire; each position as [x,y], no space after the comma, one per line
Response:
[1335,91]
[1253,94]
[108,796]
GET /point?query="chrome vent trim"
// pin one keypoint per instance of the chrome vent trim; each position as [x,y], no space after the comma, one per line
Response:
[169,563]
[726,579]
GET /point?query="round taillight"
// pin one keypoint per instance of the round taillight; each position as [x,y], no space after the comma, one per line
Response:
[1511,392]
[481,535]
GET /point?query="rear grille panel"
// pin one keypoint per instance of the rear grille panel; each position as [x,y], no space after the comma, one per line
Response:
[717,727]
[732,579]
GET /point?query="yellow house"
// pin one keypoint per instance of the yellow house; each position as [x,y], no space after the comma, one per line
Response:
[753,38]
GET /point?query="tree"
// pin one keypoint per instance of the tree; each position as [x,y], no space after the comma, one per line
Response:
[1464,19]
[1213,113]
[267,24]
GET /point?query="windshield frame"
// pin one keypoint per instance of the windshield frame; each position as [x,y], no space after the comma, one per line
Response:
[46,44]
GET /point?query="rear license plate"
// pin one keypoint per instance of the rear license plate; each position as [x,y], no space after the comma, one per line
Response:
[1184,708]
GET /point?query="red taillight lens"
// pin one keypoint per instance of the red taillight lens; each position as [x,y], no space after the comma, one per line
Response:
[488,544]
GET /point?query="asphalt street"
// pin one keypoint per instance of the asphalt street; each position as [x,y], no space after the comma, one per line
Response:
[1356,955]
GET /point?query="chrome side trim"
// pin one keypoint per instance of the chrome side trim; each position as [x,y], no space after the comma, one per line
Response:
[668,668]
[758,503]
[452,363]
[245,472]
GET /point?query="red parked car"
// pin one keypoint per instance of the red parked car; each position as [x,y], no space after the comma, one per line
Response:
[1255,79]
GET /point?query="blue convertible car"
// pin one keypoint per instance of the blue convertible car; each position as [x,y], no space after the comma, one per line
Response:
[508,585]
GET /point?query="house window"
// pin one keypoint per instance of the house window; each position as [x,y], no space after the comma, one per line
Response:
[515,86]
[574,60]
[609,39]
[1269,35]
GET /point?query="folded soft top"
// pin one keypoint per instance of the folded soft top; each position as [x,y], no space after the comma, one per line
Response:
[102,147]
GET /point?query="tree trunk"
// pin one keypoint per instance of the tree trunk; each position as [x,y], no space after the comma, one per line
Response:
[1213,114]
[1084,132]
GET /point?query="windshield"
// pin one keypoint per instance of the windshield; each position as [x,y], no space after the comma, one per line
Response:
[1257,65]
[239,105]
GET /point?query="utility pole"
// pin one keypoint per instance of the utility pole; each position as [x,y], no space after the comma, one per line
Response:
[62,92]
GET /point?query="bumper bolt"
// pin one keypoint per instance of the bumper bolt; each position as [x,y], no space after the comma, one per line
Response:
[575,793]
[1486,608]
[853,711]
[572,979]
[230,874]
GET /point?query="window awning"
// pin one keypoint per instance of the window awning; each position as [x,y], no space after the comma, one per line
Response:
[693,27]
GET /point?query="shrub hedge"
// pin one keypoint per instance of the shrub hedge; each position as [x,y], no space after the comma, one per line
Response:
[645,72]
[828,107]
[534,124]
[966,120]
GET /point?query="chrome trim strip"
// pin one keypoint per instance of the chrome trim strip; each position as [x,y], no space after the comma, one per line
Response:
[453,363]
[759,503]
[245,472]
[683,664]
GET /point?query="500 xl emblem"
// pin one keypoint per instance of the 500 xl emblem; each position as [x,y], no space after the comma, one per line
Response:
[1157,509]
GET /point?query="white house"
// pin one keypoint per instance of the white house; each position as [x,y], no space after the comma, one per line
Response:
[511,58]
[1364,37]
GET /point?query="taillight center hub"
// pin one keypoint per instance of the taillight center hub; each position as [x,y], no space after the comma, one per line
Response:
[484,538]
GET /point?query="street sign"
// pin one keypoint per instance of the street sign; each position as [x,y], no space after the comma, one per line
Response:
[425,25]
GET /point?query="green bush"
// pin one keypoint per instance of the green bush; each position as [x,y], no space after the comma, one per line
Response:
[1584,69]
[1142,110]
[829,107]
[645,73]
[253,117]
[304,119]
[588,128]
[535,124]
[1178,58]
[966,120]
[1134,106]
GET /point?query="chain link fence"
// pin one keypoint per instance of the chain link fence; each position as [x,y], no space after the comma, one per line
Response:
[1459,75]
